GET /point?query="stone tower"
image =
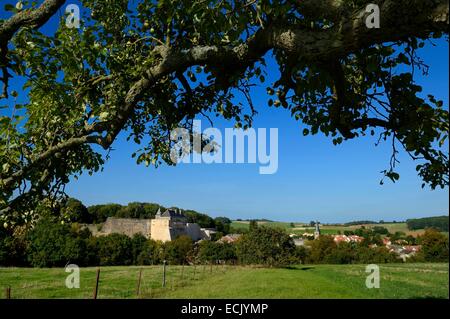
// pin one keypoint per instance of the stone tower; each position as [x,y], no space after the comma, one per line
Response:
[317,231]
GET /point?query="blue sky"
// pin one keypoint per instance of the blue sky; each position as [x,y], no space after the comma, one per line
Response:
[315,181]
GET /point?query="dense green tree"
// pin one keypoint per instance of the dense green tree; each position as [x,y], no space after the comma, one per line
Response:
[138,245]
[374,255]
[100,213]
[138,210]
[343,253]
[212,252]
[52,244]
[321,248]
[434,246]
[380,230]
[74,210]
[131,67]
[203,220]
[265,246]
[301,254]
[12,249]
[150,253]
[253,224]
[222,225]
[208,251]
[178,251]
[114,250]
[438,222]
[398,236]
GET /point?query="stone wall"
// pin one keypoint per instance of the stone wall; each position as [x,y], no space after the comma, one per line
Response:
[161,228]
[126,226]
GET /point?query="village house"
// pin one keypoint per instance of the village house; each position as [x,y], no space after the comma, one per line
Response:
[230,238]
[347,239]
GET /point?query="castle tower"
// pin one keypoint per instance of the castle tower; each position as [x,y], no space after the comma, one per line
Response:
[317,231]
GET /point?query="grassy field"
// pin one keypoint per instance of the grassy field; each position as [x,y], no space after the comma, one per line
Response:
[300,228]
[315,281]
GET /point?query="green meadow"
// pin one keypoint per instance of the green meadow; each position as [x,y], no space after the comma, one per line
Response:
[421,280]
[300,228]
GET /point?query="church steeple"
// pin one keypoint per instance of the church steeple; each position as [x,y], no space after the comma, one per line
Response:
[317,230]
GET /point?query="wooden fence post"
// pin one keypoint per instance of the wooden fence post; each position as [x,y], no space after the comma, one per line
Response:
[96,283]
[8,292]
[195,269]
[182,273]
[138,288]
[164,274]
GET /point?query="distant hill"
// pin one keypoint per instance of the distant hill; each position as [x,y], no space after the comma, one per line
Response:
[439,222]
[97,214]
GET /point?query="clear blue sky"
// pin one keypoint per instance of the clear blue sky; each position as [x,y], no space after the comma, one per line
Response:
[315,181]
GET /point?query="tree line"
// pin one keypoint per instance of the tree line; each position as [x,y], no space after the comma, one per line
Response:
[438,222]
[55,244]
[74,211]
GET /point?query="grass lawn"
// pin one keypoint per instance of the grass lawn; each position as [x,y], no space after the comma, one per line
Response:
[307,281]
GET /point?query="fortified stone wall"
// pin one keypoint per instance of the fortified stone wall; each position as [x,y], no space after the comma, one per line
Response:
[126,226]
[162,228]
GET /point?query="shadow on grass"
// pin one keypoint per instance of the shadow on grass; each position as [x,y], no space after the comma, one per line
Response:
[298,268]
[427,297]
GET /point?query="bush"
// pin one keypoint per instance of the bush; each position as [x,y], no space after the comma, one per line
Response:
[325,250]
[374,255]
[12,249]
[150,253]
[54,244]
[209,251]
[75,211]
[138,243]
[301,254]
[343,253]
[321,248]
[380,230]
[266,246]
[114,250]
[178,251]
[434,245]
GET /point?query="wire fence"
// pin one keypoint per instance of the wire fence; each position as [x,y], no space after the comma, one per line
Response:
[157,281]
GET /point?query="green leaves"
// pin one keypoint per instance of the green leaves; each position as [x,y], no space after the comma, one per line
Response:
[121,71]
[9,7]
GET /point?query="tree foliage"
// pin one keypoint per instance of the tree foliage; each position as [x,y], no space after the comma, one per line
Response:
[213,252]
[53,244]
[434,246]
[266,246]
[438,222]
[147,67]
[113,250]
